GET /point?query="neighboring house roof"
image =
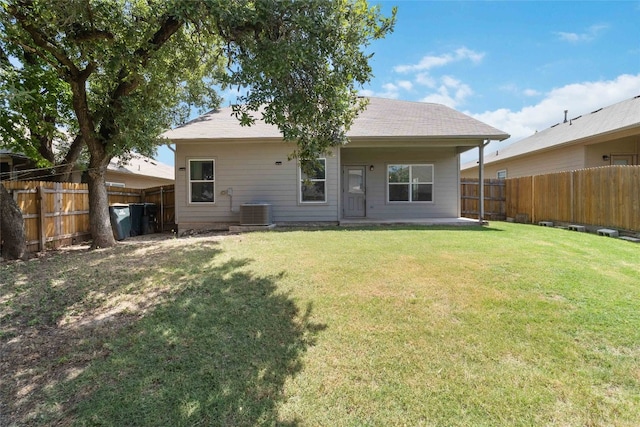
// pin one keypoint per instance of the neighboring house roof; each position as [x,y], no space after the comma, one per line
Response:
[614,118]
[140,165]
[382,118]
[11,153]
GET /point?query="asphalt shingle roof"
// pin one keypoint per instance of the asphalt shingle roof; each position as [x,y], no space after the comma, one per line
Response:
[141,165]
[382,118]
[616,117]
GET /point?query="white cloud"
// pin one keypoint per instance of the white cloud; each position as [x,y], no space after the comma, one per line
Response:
[451,92]
[578,98]
[366,92]
[510,87]
[389,90]
[426,80]
[429,62]
[590,34]
[405,84]
[514,89]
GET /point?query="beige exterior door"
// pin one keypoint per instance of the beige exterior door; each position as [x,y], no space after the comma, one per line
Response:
[353,190]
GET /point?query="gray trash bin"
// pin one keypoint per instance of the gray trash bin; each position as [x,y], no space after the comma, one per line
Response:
[136,211]
[120,221]
[142,218]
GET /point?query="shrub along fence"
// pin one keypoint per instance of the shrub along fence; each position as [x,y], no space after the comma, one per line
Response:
[607,196]
[57,213]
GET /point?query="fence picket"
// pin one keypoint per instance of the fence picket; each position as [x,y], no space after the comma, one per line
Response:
[57,214]
[607,196]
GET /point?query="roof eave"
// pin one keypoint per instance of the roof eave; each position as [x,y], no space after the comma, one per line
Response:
[621,133]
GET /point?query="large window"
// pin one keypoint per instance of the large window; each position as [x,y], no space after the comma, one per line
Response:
[410,183]
[313,181]
[202,181]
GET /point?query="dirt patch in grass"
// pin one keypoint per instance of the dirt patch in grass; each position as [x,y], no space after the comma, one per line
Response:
[61,310]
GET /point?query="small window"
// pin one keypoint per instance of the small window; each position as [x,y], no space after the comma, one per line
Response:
[410,183]
[313,184]
[202,181]
[501,174]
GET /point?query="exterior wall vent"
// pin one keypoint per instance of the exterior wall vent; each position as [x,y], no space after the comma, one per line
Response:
[255,214]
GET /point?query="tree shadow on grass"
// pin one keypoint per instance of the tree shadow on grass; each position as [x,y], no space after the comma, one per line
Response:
[218,355]
[215,347]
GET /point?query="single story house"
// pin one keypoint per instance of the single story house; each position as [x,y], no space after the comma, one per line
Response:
[402,163]
[607,136]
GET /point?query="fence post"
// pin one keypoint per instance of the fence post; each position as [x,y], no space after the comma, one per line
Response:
[57,208]
[162,208]
[533,199]
[573,201]
[42,212]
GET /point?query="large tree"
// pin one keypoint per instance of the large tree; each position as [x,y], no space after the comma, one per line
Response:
[36,115]
[133,68]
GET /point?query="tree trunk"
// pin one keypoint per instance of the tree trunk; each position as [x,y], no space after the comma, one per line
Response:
[99,222]
[14,244]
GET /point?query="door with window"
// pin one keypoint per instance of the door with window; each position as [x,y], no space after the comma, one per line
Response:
[354,194]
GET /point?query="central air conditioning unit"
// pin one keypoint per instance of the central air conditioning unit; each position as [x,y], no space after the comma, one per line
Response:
[255,214]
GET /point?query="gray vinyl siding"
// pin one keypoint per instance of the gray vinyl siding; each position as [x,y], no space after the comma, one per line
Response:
[251,170]
[446,193]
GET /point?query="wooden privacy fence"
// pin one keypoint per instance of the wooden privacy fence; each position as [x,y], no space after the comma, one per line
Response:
[607,196]
[494,198]
[57,214]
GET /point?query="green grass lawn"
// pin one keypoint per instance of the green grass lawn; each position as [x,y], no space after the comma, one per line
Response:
[507,325]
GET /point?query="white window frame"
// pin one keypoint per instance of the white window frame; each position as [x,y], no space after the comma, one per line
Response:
[501,171]
[190,181]
[410,183]
[301,182]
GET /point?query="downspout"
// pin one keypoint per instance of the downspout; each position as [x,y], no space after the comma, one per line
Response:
[481,180]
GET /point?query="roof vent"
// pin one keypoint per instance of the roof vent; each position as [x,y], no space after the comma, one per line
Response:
[596,110]
[565,116]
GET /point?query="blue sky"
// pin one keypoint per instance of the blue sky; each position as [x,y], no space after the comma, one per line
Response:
[516,65]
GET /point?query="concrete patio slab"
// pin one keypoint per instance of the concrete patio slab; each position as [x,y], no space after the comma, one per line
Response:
[421,221]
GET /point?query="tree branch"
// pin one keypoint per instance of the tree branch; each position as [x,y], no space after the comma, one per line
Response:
[69,162]
[4,59]
[41,40]
[88,35]
[128,83]
[168,28]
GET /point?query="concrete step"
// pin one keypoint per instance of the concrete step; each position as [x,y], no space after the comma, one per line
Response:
[574,227]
